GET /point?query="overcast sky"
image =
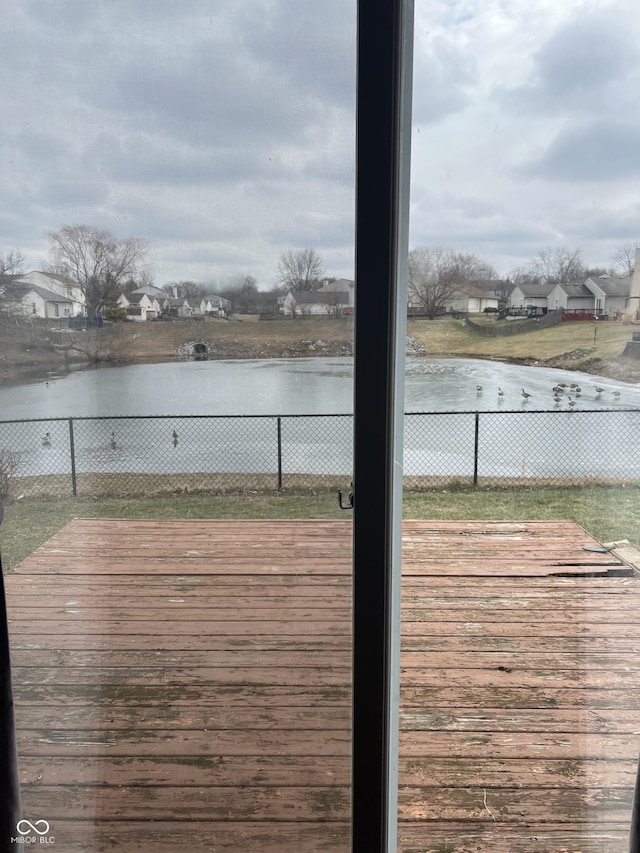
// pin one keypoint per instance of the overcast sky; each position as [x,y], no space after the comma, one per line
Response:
[222,131]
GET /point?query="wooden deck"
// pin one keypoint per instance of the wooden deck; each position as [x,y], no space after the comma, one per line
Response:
[186,685]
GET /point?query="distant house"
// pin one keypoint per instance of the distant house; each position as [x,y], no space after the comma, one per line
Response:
[611,294]
[217,306]
[308,303]
[197,306]
[474,299]
[571,297]
[48,290]
[341,285]
[531,296]
[20,298]
[176,306]
[152,291]
[139,306]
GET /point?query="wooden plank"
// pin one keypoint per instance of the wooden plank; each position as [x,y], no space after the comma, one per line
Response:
[292,655]
[169,742]
[203,771]
[557,696]
[484,834]
[515,805]
[321,803]
[256,802]
[219,836]
[274,771]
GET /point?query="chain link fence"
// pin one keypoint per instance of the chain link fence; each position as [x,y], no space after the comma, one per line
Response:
[133,456]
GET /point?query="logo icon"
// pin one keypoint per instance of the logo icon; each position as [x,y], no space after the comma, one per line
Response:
[40,827]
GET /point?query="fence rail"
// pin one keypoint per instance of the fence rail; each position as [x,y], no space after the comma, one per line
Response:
[127,455]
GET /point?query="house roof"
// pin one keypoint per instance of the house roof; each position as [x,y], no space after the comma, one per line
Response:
[488,283]
[151,290]
[16,291]
[134,298]
[539,290]
[337,285]
[612,285]
[478,290]
[61,279]
[575,288]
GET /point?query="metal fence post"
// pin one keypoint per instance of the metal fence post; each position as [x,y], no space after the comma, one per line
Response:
[476,437]
[9,779]
[72,450]
[279,453]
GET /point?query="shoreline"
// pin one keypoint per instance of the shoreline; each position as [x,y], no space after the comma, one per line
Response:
[38,371]
[23,361]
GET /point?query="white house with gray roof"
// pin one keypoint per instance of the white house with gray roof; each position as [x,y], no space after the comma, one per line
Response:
[531,296]
[571,296]
[60,284]
[610,293]
[20,298]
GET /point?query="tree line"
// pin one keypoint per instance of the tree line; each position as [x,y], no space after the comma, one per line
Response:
[105,266]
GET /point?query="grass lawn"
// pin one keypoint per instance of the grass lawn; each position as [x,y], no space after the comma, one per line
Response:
[607,513]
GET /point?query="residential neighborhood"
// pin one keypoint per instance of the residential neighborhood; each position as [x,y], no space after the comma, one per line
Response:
[50,296]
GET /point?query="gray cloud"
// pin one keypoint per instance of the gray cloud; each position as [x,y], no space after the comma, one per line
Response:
[590,151]
[443,80]
[142,158]
[585,65]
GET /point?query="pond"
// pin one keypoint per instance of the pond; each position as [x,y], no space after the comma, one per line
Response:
[298,386]
[293,417]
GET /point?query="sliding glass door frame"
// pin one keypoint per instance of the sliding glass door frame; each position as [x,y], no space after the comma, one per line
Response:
[383,133]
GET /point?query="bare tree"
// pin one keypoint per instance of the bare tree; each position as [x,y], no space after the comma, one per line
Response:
[624,258]
[300,269]
[11,263]
[98,261]
[558,266]
[185,289]
[143,279]
[246,298]
[523,275]
[437,275]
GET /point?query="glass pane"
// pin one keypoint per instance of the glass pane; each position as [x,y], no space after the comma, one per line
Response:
[176,318]
[519,715]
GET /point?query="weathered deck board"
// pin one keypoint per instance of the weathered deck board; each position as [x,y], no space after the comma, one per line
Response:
[189,683]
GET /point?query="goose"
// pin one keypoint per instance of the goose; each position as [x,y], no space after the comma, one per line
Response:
[478,389]
[578,390]
[46,439]
[571,403]
[562,384]
[174,435]
[500,393]
[525,394]
[113,441]
[557,399]
[599,390]
[616,394]
[558,389]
